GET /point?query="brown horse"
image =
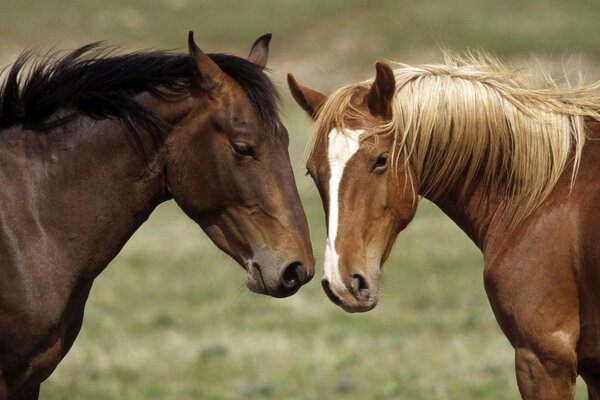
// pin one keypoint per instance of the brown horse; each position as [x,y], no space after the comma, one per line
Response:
[517,168]
[92,142]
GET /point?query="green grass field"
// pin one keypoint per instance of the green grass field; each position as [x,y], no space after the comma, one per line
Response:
[171,318]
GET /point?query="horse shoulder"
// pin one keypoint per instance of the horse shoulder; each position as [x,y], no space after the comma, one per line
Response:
[531,272]
[31,300]
[587,191]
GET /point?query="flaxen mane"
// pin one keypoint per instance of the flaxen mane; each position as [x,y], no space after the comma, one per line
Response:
[474,118]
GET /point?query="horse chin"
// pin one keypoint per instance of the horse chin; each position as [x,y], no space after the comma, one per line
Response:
[358,306]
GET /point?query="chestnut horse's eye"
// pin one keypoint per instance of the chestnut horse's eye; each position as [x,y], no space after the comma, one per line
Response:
[380,163]
[243,149]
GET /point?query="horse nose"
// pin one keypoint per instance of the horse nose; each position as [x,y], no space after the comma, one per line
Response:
[359,285]
[294,276]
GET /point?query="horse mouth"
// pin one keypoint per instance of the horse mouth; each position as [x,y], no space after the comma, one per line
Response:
[254,278]
[330,294]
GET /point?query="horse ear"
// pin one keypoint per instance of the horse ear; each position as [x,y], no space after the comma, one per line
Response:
[310,100]
[209,73]
[380,96]
[259,53]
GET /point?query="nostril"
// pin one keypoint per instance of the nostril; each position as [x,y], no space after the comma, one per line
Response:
[293,275]
[360,286]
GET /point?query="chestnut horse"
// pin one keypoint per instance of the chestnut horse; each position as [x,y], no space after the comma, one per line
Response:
[91,142]
[516,167]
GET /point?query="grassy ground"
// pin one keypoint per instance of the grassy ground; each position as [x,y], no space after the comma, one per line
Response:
[171,317]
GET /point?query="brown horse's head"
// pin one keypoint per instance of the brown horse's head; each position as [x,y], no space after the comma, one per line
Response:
[366,203]
[228,168]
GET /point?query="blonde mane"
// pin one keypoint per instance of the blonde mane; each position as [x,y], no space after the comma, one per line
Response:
[474,118]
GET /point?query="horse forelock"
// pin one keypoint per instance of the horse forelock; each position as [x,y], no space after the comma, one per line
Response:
[475,119]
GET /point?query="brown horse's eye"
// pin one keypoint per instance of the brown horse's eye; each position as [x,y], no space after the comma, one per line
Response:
[380,163]
[243,149]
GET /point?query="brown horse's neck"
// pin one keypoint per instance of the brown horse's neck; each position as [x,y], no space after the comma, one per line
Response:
[72,198]
[81,191]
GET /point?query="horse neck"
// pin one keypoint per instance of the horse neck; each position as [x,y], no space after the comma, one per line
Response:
[83,192]
[474,211]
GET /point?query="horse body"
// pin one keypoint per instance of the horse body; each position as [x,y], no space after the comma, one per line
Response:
[61,225]
[515,168]
[541,278]
[77,184]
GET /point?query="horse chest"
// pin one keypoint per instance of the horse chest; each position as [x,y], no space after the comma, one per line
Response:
[35,350]
[588,347]
[36,368]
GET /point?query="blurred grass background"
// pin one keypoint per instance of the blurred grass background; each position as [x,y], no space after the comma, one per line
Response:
[171,317]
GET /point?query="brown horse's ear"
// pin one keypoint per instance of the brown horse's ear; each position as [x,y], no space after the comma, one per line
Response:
[310,100]
[209,73]
[259,53]
[381,95]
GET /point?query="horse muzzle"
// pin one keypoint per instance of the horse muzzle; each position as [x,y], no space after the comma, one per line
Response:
[264,278]
[355,296]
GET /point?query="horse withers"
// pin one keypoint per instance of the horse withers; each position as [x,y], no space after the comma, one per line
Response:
[92,142]
[515,166]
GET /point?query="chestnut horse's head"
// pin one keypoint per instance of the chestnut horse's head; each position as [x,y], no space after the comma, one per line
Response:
[367,202]
[228,168]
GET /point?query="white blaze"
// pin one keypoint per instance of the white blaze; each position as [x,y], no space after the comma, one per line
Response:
[342,146]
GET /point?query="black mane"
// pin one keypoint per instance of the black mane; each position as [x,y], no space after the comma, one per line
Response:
[96,82]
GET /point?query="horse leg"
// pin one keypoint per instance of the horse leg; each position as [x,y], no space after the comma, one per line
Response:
[539,314]
[3,388]
[547,374]
[593,386]
[32,394]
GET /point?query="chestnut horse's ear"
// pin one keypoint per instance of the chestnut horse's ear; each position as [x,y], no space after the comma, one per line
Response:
[259,53]
[381,95]
[310,100]
[209,73]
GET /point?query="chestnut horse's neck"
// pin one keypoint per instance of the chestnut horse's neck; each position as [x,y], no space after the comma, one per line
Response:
[473,212]
[484,218]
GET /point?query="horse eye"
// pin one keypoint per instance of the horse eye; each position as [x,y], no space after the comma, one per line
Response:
[380,163]
[243,149]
